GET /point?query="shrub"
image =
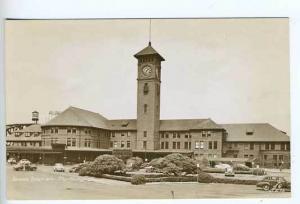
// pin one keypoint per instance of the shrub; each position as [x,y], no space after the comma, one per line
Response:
[138,179]
[240,167]
[134,163]
[259,171]
[104,164]
[205,178]
[174,164]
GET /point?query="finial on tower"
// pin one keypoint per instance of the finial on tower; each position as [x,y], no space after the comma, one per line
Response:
[150,32]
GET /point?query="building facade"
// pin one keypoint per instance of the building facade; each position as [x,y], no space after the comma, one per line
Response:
[86,134]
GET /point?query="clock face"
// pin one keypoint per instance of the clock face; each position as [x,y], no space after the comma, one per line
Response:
[147,70]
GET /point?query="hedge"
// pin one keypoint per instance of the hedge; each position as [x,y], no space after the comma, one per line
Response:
[138,179]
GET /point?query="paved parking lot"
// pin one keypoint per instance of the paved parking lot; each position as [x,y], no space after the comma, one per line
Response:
[44,184]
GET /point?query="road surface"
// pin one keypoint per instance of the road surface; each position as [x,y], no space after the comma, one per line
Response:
[44,184]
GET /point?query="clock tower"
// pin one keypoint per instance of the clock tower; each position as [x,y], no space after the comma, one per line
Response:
[148,98]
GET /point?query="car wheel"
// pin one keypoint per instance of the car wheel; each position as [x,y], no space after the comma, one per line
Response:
[279,186]
[266,187]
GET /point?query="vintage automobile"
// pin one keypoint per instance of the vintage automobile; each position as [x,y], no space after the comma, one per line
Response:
[274,183]
[24,161]
[59,167]
[12,161]
[229,172]
[25,167]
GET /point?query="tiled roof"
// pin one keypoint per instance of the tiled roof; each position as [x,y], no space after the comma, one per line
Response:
[126,124]
[78,117]
[188,124]
[261,132]
[31,128]
[149,50]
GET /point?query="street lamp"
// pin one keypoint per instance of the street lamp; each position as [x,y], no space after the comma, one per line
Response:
[198,171]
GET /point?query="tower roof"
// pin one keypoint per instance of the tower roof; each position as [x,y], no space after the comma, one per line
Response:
[149,50]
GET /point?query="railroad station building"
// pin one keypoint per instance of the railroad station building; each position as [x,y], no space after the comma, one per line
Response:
[85,134]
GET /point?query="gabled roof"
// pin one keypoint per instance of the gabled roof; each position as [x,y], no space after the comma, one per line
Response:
[31,128]
[261,132]
[188,124]
[78,117]
[125,124]
[149,50]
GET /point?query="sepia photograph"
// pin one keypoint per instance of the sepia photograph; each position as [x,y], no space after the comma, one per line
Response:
[147,108]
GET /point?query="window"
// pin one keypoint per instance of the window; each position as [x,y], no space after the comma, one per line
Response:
[145,108]
[203,134]
[35,134]
[145,144]
[210,145]
[215,144]
[245,155]
[249,133]
[251,156]
[178,135]
[208,133]
[178,145]
[128,144]
[186,145]
[122,144]
[281,157]
[229,146]
[73,142]
[145,133]
[90,132]
[111,144]
[190,145]
[112,134]
[146,88]
[282,146]
[161,135]
[251,146]
[68,142]
[27,134]
[174,145]
[56,131]
[122,134]
[167,135]
[186,136]
[201,145]
[174,134]
[197,145]
[235,145]
[166,145]
[115,144]
[52,131]
[68,130]
[265,157]
[235,156]
[17,134]
[287,147]
[86,132]
[272,146]
[162,145]
[274,157]
[74,131]
[128,134]
[246,146]
[87,142]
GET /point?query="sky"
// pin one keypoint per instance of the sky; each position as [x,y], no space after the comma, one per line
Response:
[229,70]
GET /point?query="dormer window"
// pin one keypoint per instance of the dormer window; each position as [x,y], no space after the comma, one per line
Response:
[146,88]
[124,124]
[249,132]
[27,134]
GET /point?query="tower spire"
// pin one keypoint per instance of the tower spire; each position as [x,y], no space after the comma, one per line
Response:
[149,31]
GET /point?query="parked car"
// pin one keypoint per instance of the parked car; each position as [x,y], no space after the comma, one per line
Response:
[273,183]
[25,167]
[24,161]
[59,167]
[229,172]
[12,161]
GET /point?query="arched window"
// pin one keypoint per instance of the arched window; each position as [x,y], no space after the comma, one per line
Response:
[146,88]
